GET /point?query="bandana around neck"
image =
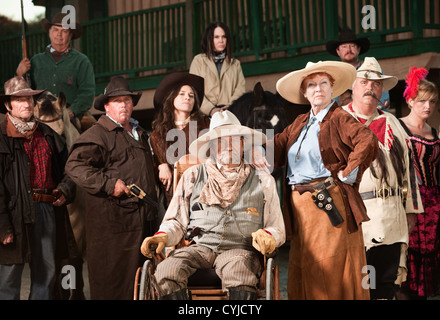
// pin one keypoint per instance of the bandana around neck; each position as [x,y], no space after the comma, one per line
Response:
[219,190]
[26,128]
[219,57]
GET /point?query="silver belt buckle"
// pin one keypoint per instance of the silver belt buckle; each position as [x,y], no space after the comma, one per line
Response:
[329,182]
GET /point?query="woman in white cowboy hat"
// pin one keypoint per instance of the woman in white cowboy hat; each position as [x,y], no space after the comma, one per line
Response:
[235,207]
[326,151]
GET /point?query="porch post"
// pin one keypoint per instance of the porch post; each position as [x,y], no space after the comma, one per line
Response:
[189,9]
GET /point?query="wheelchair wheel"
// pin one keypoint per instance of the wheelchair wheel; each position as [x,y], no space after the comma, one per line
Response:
[146,284]
[272,281]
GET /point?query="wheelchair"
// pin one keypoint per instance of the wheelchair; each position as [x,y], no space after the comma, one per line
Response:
[204,284]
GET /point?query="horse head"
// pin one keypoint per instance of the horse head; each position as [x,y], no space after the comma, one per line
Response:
[260,109]
[49,110]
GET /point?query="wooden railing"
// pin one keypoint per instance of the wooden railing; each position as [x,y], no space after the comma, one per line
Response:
[147,44]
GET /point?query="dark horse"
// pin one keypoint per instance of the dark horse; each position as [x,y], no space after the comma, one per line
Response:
[266,111]
[259,109]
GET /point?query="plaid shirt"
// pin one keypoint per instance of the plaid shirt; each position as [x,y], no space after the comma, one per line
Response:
[40,156]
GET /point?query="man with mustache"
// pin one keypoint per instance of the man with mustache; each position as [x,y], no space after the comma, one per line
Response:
[388,187]
[235,208]
[104,160]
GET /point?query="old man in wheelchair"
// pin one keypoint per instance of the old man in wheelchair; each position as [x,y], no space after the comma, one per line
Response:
[231,210]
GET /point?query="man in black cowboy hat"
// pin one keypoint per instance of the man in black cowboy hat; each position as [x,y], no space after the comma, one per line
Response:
[348,48]
[104,160]
[60,68]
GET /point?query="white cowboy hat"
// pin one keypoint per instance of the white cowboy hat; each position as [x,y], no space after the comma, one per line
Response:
[289,87]
[371,70]
[225,124]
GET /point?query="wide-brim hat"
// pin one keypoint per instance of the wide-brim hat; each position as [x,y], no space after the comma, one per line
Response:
[58,21]
[344,74]
[348,36]
[174,80]
[371,70]
[225,124]
[118,86]
[17,87]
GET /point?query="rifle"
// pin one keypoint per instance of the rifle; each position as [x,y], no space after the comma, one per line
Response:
[24,43]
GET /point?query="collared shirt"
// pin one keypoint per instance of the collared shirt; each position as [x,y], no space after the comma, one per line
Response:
[52,50]
[134,124]
[304,157]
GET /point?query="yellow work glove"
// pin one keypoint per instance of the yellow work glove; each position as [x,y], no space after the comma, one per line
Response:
[160,240]
[263,241]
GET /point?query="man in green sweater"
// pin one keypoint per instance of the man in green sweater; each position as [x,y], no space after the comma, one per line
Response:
[60,68]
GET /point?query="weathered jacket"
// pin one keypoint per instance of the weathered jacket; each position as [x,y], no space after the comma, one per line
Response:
[16,204]
[115,227]
[105,153]
[344,144]
[219,91]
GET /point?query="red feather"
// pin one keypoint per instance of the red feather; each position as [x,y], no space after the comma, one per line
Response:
[412,82]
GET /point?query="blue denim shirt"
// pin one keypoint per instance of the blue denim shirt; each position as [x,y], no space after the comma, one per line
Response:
[304,157]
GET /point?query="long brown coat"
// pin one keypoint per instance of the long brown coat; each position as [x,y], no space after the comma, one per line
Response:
[115,227]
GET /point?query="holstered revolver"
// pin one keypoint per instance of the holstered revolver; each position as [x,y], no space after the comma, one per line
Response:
[324,202]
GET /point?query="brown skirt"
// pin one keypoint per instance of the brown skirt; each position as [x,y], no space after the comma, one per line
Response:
[325,262]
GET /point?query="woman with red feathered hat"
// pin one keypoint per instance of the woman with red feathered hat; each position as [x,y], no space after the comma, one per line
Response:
[423,262]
